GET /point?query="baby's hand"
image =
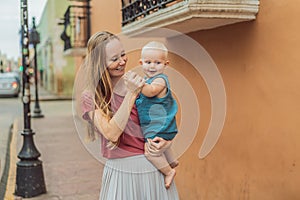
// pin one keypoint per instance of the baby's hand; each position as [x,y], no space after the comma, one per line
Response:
[133,81]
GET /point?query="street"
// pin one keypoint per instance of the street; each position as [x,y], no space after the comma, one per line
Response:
[10,108]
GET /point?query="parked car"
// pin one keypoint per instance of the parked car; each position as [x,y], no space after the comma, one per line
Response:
[10,85]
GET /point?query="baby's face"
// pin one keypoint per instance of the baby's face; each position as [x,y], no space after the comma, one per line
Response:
[153,62]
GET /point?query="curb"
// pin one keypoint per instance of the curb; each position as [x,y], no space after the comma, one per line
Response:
[53,99]
[6,166]
[11,171]
[10,159]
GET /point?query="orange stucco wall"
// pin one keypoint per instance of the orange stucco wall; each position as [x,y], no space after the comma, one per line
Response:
[257,156]
[106,15]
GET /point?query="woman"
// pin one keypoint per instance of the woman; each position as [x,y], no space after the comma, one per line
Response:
[109,105]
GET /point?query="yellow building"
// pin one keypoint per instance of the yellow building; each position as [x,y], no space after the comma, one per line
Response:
[239,64]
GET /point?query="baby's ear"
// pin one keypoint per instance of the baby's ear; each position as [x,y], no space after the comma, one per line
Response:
[167,62]
[140,61]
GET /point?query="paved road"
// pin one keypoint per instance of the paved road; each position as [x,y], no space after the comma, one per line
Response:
[10,108]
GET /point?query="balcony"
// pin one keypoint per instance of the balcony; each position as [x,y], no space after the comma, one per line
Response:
[185,15]
[76,32]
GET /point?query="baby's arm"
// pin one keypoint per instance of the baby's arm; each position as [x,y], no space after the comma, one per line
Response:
[155,88]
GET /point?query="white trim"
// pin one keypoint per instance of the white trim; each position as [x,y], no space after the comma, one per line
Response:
[201,14]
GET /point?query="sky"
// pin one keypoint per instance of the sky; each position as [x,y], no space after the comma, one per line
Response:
[10,24]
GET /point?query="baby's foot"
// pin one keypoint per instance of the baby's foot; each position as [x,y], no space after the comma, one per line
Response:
[169,178]
[174,164]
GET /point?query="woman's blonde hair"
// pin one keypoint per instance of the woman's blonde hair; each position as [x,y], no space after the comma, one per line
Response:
[99,81]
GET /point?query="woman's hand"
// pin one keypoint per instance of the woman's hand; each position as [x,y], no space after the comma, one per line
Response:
[156,146]
[133,81]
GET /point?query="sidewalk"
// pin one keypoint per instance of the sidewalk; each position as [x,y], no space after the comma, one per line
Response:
[44,95]
[70,172]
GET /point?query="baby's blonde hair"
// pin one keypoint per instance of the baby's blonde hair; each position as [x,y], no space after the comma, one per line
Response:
[155,46]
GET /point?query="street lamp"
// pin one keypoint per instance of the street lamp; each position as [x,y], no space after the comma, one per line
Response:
[1,67]
[34,38]
[29,178]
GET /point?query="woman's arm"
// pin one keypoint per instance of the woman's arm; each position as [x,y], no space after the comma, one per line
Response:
[156,146]
[112,128]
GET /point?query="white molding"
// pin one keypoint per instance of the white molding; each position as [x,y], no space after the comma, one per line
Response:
[193,15]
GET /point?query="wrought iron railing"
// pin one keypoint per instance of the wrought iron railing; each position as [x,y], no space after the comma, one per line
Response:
[134,10]
[76,24]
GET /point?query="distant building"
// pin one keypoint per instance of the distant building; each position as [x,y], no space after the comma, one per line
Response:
[6,64]
[56,71]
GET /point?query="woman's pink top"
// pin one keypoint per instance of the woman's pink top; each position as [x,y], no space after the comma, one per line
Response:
[131,141]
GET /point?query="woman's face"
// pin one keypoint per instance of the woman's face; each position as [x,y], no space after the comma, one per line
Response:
[116,58]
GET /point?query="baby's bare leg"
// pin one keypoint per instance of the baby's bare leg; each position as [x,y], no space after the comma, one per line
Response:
[161,163]
[171,158]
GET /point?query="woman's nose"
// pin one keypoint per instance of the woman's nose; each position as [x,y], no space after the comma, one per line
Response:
[122,60]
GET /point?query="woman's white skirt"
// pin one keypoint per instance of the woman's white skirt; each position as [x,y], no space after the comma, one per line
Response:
[134,178]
